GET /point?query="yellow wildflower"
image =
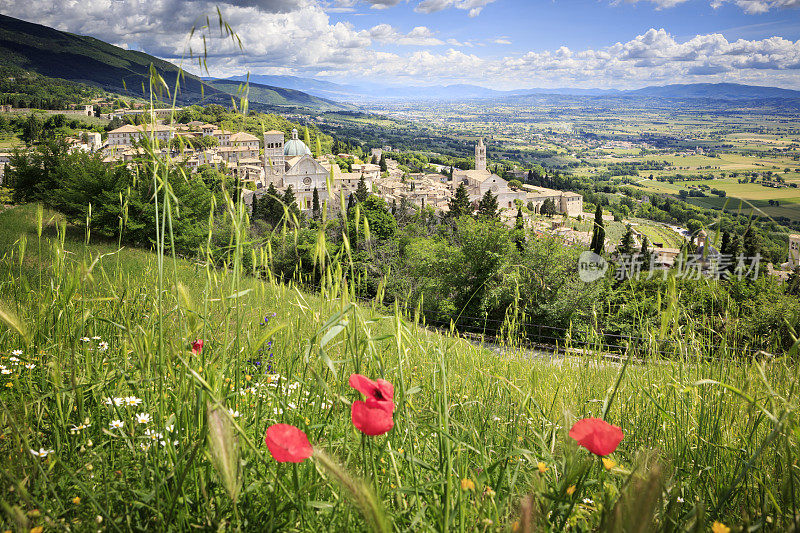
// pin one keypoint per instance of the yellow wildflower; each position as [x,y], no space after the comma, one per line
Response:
[76,500]
[515,526]
[609,463]
[542,467]
[570,490]
[37,529]
[248,377]
[719,527]
[467,484]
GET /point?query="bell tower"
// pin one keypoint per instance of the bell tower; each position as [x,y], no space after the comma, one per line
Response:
[480,155]
[274,160]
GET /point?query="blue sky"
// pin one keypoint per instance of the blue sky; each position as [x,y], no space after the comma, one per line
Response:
[494,43]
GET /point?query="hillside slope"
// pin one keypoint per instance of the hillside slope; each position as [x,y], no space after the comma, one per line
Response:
[58,54]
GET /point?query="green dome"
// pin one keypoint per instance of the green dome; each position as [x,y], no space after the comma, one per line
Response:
[295,147]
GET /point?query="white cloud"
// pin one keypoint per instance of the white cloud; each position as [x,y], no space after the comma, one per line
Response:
[473,7]
[304,41]
[502,40]
[419,36]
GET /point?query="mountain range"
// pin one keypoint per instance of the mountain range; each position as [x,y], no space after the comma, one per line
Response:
[350,92]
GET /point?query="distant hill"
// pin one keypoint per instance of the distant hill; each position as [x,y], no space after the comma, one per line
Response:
[278,96]
[728,91]
[462,91]
[57,54]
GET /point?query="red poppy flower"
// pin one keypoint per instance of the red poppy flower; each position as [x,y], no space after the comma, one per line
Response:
[597,436]
[372,417]
[379,390]
[287,444]
[197,346]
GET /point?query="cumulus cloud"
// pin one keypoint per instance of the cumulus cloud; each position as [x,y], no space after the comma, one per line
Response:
[419,36]
[304,41]
[502,40]
[473,7]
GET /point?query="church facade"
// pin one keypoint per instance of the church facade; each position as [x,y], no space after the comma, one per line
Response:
[290,164]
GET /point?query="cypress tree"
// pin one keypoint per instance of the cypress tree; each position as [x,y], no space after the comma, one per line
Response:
[290,201]
[315,207]
[361,191]
[645,254]
[351,202]
[487,208]
[459,204]
[626,244]
[726,243]
[269,208]
[382,163]
[599,233]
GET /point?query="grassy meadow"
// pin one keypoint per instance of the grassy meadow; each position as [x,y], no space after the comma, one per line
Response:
[111,423]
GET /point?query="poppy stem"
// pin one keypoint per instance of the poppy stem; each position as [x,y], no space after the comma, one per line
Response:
[576,496]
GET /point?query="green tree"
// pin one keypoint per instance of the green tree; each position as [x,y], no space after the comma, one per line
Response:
[290,202]
[599,233]
[382,163]
[487,208]
[361,191]
[459,205]
[33,129]
[645,254]
[315,207]
[626,244]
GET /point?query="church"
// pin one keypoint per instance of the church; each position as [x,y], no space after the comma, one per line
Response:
[291,164]
[480,180]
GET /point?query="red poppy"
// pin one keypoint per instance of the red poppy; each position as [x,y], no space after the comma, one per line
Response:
[597,436]
[379,390]
[287,444]
[197,346]
[372,417]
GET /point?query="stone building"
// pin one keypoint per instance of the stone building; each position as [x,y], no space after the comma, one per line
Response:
[128,134]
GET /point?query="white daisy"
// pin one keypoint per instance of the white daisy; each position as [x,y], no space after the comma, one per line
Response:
[588,501]
[42,453]
[6,371]
[16,352]
[143,418]
[30,366]
[145,446]
[85,339]
[14,359]
[154,435]
[103,346]
[680,500]
[116,424]
[96,338]
[234,414]
[170,428]
[132,401]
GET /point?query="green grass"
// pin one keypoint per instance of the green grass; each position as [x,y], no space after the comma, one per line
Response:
[463,412]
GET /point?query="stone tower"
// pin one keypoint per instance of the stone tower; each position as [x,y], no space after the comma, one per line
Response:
[274,159]
[794,251]
[480,155]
